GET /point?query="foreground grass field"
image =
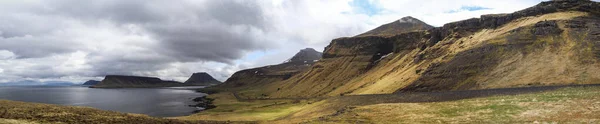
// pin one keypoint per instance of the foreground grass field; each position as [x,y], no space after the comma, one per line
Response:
[573,104]
[567,105]
[564,105]
[12,112]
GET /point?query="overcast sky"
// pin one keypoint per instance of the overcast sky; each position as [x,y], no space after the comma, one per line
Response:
[78,40]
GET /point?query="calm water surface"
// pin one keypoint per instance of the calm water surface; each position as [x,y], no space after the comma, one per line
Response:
[160,102]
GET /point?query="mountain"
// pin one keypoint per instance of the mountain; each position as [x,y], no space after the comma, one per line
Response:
[91,82]
[37,83]
[120,81]
[403,25]
[308,54]
[552,43]
[202,79]
[264,76]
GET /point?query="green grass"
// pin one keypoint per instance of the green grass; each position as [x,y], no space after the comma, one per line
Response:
[497,110]
[22,112]
[566,105]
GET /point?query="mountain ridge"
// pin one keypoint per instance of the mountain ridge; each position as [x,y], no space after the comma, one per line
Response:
[123,81]
[477,53]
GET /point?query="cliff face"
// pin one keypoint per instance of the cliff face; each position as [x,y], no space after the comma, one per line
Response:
[91,82]
[202,79]
[119,81]
[552,43]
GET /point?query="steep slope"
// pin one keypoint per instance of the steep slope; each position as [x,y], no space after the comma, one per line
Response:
[91,82]
[120,81]
[202,79]
[252,80]
[403,25]
[552,43]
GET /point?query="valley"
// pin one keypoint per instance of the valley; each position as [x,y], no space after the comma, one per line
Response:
[536,65]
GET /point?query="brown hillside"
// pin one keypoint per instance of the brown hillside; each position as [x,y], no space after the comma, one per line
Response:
[553,43]
[251,80]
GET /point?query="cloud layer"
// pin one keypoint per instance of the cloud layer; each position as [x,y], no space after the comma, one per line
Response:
[74,40]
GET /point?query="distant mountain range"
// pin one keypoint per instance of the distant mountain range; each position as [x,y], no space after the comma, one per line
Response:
[91,82]
[123,81]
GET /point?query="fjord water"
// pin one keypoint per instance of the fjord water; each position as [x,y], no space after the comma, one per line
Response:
[159,102]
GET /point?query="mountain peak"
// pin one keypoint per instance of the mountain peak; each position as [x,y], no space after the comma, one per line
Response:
[409,19]
[202,78]
[307,54]
[402,25]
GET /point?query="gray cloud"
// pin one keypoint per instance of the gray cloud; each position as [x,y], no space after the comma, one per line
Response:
[79,40]
[182,31]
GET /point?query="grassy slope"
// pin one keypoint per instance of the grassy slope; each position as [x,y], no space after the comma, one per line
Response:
[22,112]
[515,56]
[568,105]
[228,108]
[576,104]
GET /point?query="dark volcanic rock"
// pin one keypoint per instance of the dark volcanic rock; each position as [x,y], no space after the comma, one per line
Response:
[202,78]
[91,82]
[119,81]
[203,102]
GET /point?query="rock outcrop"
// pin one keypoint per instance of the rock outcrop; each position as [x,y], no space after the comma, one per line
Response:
[91,83]
[202,79]
[552,43]
[120,81]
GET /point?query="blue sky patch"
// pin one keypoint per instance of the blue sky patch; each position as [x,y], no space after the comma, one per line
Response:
[365,7]
[469,8]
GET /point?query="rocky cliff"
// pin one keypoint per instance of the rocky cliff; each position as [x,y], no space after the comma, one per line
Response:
[552,43]
[119,81]
[202,79]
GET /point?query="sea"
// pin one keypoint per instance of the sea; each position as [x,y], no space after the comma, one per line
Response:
[157,102]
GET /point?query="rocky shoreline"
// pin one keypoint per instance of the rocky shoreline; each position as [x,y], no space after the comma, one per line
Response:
[203,103]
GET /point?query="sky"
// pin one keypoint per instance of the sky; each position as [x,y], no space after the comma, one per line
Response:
[75,40]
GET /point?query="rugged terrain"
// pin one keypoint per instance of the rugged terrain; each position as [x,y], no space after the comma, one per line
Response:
[500,68]
[552,43]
